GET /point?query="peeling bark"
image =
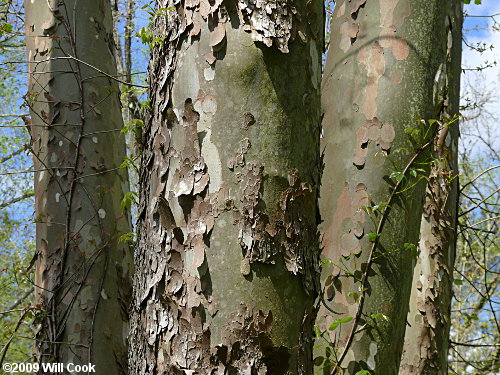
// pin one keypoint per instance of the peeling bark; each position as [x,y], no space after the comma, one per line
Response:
[82,271]
[378,82]
[427,335]
[227,247]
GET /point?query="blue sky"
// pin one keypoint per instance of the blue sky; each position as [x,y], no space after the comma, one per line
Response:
[479,30]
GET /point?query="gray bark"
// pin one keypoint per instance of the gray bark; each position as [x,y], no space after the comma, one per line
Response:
[227,248]
[383,76]
[82,270]
[427,333]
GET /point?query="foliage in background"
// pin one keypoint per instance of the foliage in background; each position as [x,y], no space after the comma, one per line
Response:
[16,202]
[475,334]
[475,312]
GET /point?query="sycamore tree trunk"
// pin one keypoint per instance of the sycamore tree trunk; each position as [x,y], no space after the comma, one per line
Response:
[427,332]
[382,84]
[227,252]
[82,270]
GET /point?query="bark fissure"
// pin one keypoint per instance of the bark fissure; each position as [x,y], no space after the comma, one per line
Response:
[228,195]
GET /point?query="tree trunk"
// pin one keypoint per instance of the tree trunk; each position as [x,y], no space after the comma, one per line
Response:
[382,81]
[227,252]
[129,31]
[427,332]
[115,12]
[82,270]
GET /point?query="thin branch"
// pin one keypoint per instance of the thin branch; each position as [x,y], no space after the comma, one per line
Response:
[69,57]
[14,153]
[479,175]
[26,195]
[372,250]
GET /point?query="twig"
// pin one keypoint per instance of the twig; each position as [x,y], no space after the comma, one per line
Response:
[16,199]
[370,257]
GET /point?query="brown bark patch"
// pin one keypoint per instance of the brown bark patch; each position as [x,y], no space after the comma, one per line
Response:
[247,346]
[372,57]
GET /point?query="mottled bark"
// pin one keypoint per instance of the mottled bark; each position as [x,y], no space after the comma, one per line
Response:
[383,77]
[227,248]
[427,333]
[82,270]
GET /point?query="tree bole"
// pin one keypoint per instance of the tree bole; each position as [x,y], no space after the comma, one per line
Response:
[227,248]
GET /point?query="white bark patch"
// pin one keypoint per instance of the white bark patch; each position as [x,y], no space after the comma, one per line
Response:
[94,139]
[440,83]
[209,104]
[187,73]
[104,295]
[209,73]
[58,197]
[371,358]
[101,213]
[210,154]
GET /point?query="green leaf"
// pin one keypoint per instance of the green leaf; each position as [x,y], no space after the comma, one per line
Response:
[318,361]
[127,237]
[353,295]
[145,34]
[338,322]
[334,325]
[346,320]
[325,261]
[137,122]
[409,246]
[128,162]
[363,372]
[372,237]
[398,176]
[128,199]
[380,315]
[6,28]
[317,331]
[458,282]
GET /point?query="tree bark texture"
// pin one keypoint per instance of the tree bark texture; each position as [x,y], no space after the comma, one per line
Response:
[382,82]
[228,252]
[82,270]
[427,332]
